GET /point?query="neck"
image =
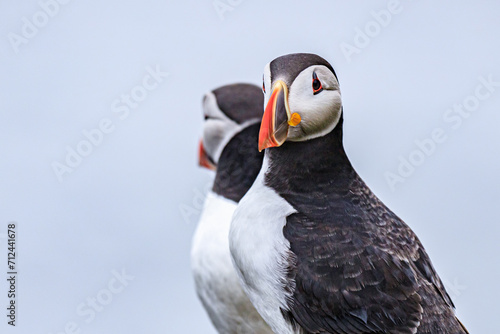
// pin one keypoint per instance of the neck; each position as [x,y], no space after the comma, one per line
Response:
[239,164]
[319,164]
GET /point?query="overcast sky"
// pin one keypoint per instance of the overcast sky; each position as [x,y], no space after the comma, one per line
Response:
[100,115]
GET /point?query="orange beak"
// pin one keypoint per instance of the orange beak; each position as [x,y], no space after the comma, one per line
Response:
[277,118]
[203,159]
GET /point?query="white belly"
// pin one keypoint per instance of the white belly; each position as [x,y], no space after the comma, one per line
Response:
[259,251]
[216,281]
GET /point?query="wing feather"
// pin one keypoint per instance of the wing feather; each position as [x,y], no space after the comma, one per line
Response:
[358,268]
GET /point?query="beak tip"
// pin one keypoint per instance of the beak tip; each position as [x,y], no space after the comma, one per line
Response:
[267,142]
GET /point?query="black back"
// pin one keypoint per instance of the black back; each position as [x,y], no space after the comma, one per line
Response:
[239,164]
[240,160]
[355,266]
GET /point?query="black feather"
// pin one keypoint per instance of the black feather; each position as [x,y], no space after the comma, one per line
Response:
[356,266]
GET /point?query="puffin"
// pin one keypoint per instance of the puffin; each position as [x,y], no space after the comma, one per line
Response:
[316,251]
[229,146]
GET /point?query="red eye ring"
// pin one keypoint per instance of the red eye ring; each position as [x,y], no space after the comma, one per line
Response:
[316,84]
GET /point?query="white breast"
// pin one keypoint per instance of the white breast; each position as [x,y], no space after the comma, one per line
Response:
[259,250]
[215,278]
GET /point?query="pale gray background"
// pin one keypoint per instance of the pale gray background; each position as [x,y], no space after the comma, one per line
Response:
[121,208]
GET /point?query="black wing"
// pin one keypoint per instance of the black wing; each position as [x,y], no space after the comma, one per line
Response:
[358,268]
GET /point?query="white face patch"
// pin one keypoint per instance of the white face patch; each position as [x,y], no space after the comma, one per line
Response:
[319,112]
[267,84]
[218,129]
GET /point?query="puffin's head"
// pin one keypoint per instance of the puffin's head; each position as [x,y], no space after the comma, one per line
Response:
[302,99]
[227,111]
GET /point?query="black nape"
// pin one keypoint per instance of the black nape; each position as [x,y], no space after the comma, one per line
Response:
[239,164]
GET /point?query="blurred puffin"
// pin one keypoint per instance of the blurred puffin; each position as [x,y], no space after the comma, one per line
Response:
[229,145]
[316,250]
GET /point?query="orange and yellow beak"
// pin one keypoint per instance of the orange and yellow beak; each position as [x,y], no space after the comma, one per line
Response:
[277,118]
[203,159]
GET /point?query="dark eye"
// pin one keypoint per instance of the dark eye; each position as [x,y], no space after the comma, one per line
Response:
[263,86]
[316,84]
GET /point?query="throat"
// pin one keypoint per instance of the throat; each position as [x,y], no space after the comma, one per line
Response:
[239,164]
[319,164]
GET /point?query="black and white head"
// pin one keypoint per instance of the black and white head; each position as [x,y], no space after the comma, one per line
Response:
[227,110]
[301,97]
